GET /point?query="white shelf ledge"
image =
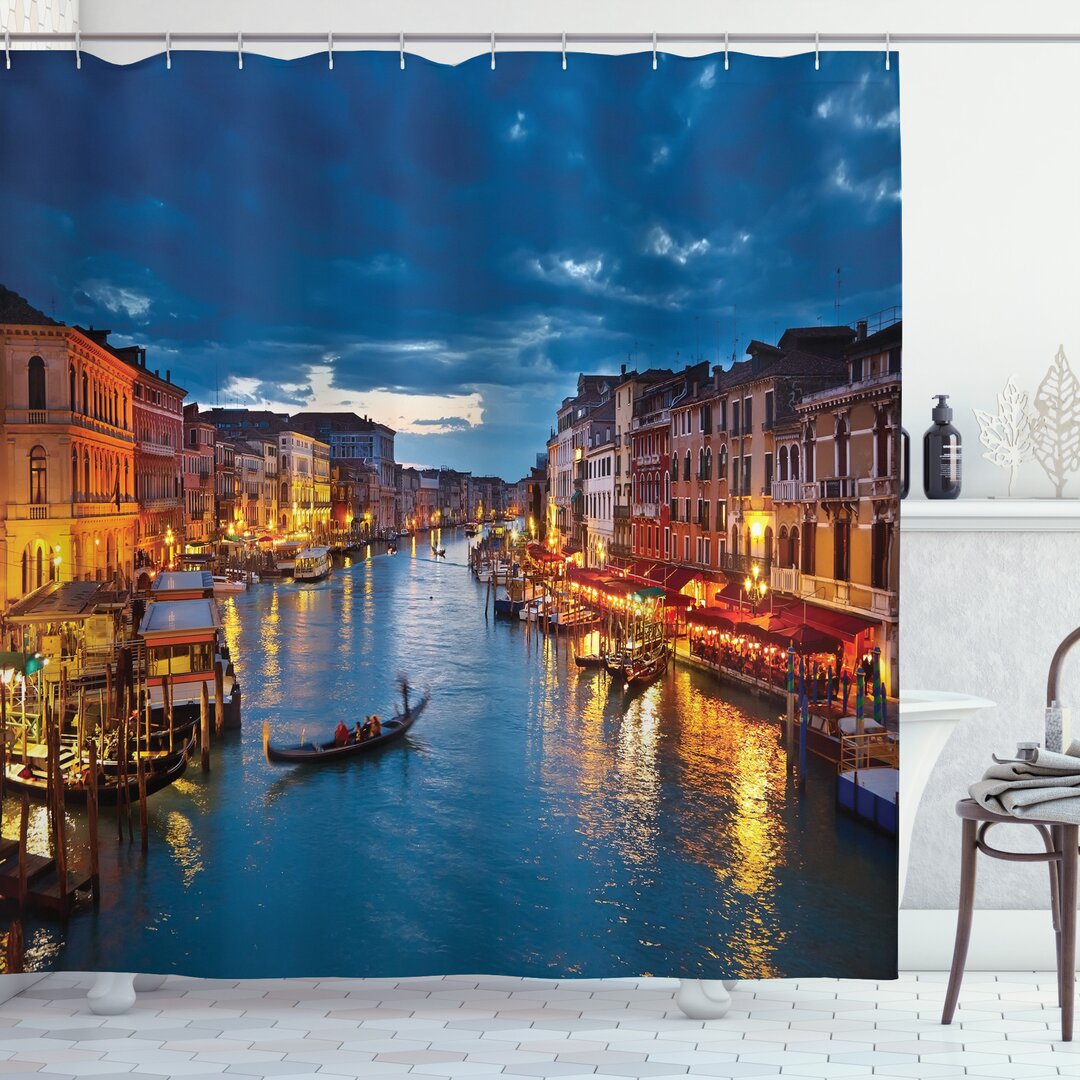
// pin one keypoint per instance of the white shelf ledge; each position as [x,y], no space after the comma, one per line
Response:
[990,515]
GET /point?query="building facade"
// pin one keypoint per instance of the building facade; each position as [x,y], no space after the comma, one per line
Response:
[200,497]
[67,504]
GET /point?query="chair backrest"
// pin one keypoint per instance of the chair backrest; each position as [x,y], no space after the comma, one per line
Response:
[1055,666]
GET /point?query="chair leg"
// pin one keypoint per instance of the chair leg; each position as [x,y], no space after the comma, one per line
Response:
[1053,847]
[1070,837]
[964,917]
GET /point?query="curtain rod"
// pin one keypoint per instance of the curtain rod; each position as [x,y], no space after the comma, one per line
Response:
[397,38]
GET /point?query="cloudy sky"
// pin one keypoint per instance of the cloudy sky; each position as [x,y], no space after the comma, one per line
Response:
[442,248]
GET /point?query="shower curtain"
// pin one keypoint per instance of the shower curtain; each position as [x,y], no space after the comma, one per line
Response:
[450,515]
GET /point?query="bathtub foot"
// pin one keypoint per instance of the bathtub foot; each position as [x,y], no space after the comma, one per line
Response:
[703,999]
[112,994]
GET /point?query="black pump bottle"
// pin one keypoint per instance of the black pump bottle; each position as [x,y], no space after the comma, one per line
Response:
[941,454]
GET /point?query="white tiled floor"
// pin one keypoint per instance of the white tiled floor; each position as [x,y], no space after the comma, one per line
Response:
[1007,1026]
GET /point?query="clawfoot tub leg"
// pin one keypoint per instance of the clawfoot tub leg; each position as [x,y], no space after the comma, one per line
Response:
[704,999]
[112,994]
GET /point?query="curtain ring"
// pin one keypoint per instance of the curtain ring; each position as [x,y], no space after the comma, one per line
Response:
[168,50]
[654,50]
[401,47]
[330,50]
[817,51]
[725,50]
[78,50]
[564,50]
[887,49]
[492,50]
[240,51]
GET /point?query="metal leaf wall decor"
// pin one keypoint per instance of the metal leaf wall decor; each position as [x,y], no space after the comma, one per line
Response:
[1009,436]
[1047,430]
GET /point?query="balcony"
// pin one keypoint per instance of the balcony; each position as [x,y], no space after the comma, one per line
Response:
[42,417]
[647,459]
[622,512]
[744,564]
[784,579]
[879,487]
[104,507]
[835,488]
[649,510]
[159,449]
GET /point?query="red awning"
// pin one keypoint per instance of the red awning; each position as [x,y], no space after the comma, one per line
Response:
[840,623]
[673,577]
[675,599]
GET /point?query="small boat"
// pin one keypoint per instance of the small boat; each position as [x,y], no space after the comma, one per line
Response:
[225,586]
[285,561]
[438,552]
[322,753]
[590,660]
[312,564]
[166,770]
[647,667]
[391,549]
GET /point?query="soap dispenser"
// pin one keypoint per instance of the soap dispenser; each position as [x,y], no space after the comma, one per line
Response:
[941,454]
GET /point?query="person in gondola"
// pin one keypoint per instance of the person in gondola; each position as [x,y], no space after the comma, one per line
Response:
[376,727]
[341,734]
[365,731]
[358,734]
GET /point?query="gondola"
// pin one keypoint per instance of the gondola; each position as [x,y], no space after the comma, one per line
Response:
[37,785]
[644,670]
[391,549]
[438,552]
[591,660]
[312,753]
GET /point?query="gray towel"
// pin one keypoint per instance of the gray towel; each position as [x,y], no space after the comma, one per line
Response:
[1047,788]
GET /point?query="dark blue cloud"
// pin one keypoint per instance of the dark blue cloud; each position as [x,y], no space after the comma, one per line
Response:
[448,231]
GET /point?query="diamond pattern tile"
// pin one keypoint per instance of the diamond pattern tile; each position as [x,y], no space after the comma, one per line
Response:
[474,1027]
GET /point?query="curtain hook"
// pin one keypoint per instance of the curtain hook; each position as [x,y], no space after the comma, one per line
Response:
[564,50]
[168,50]
[725,50]
[401,47]
[78,50]
[330,50]
[492,50]
[817,51]
[654,50]
[240,51]
[7,49]
[887,49]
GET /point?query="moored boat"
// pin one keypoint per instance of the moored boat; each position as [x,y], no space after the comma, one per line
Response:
[312,564]
[322,753]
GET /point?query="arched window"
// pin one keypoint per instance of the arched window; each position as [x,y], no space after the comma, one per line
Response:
[87,490]
[74,473]
[734,539]
[35,383]
[85,394]
[667,488]
[71,385]
[721,470]
[26,570]
[769,554]
[842,438]
[782,549]
[701,463]
[686,466]
[794,463]
[808,453]
[674,466]
[38,472]
[708,463]
[781,462]
[794,551]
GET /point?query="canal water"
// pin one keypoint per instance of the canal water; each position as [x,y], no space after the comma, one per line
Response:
[533,822]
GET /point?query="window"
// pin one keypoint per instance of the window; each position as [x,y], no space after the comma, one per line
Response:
[748,415]
[708,463]
[842,550]
[769,416]
[721,516]
[808,452]
[880,540]
[72,383]
[768,473]
[842,440]
[747,463]
[37,475]
[700,510]
[782,463]
[35,383]
[736,468]
[894,361]
[734,418]
[674,466]
[686,548]
[701,463]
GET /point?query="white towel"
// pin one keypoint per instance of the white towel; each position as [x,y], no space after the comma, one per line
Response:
[1047,788]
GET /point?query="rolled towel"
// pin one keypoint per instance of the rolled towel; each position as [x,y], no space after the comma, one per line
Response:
[1046,788]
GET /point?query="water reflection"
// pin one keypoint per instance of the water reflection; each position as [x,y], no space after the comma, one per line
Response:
[533,821]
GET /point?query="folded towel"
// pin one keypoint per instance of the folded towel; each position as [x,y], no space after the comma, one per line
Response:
[1046,788]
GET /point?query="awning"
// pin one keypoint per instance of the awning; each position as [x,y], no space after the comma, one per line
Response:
[673,577]
[675,599]
[21,664]
[842,623]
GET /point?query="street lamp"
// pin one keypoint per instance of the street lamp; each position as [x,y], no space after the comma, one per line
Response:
[754,587]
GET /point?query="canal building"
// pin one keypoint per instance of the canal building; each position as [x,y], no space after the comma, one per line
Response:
[200,437]
[67,503]
[600,484]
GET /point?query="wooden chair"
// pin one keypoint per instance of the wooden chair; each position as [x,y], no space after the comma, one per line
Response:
[1060,843]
